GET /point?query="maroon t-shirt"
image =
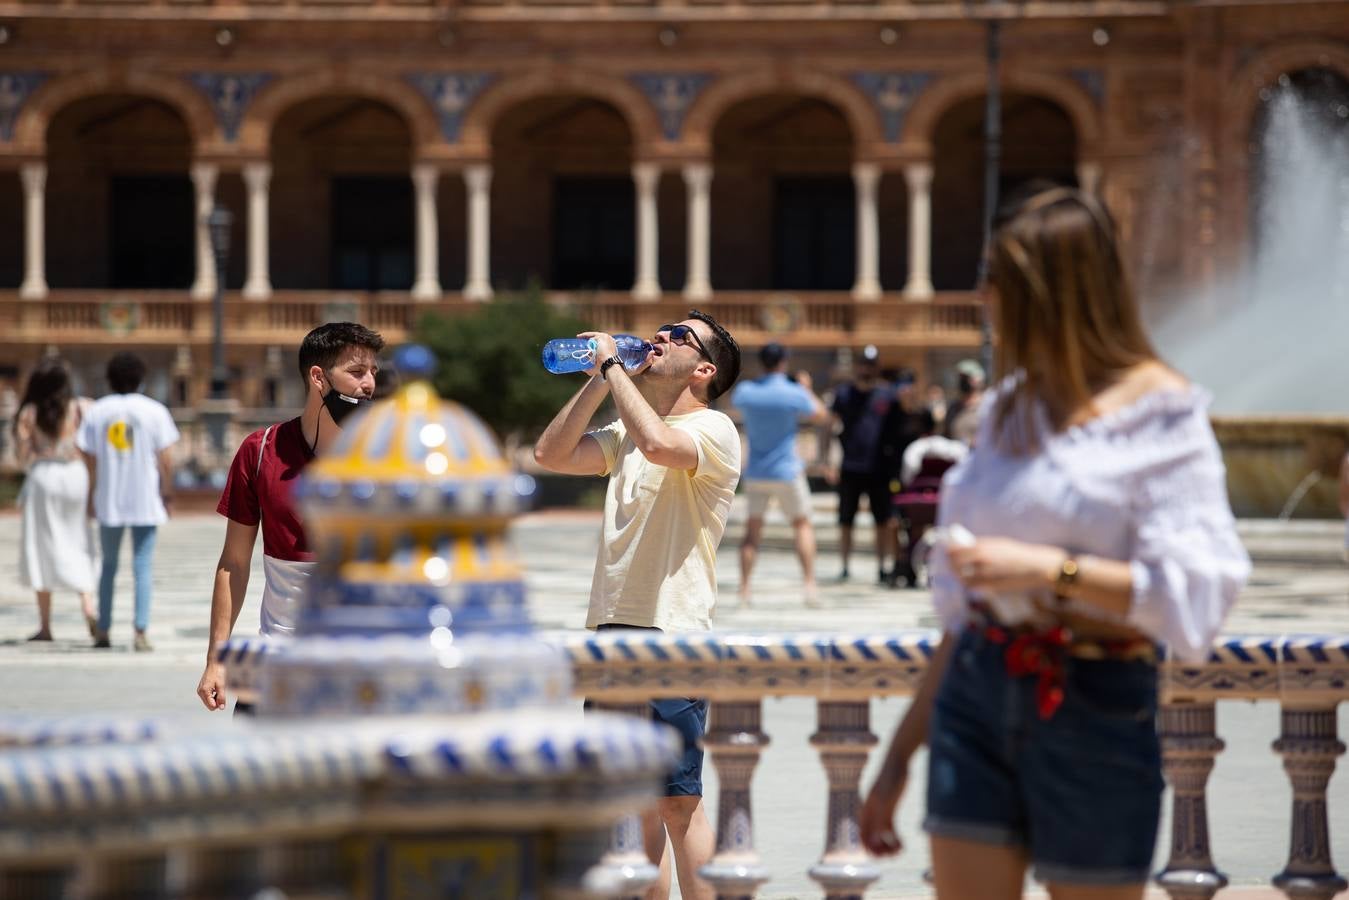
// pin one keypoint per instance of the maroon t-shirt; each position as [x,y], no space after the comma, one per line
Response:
[261,490]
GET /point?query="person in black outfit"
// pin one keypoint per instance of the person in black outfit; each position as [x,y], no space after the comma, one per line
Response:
[866,407]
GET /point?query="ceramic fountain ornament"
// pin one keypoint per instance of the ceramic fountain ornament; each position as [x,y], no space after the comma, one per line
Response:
[418,602]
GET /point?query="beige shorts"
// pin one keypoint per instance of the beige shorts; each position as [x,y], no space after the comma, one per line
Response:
[793,496]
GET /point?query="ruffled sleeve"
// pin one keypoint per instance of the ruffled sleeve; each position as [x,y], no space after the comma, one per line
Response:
[948,595]
[1187,563]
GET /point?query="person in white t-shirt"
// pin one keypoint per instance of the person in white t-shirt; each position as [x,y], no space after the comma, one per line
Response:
[125,439]
[673,464]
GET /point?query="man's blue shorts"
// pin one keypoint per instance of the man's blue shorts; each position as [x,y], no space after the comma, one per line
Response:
[688,716]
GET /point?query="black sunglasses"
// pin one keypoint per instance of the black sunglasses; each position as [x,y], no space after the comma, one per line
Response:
[679,334]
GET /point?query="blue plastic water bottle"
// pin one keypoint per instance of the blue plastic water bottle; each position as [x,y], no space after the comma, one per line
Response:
[564,355]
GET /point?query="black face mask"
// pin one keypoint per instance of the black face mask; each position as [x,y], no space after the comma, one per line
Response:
[339,405]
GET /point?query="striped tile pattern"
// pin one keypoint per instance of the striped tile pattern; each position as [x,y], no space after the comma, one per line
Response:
[48,731]
[222,770]
[400,675]
[545,745]
[619,666]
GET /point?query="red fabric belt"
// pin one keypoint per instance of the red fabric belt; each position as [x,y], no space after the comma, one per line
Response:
[1043,653]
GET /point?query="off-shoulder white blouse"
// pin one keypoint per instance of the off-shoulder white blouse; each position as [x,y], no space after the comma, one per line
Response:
[1144,484]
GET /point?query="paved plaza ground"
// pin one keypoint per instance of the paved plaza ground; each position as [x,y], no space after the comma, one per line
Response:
[1299,585]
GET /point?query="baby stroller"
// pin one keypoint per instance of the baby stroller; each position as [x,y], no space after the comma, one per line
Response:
[925,462]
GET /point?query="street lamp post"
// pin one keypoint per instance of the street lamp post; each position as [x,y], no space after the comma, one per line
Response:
[992,170]
[218,410]
[219,223]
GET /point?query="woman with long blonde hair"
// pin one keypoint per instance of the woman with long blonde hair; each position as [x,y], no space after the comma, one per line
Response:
[1089,526]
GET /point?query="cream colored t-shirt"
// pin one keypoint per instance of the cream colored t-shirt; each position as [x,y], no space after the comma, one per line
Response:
[657,565]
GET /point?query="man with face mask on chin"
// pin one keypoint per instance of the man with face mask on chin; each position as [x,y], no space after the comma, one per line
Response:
[337,362]
[673,463]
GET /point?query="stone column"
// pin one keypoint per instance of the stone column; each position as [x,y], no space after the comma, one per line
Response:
[698,182]
[34,177]
[1189,745]
[867,284]
[258,179]
[573,874]
[311,867]
[1089,177]
[844,740]
[646,176]
[918,176]
[229,871]
[478,178]
[116,878]
[1309,745]
[427,284]
[53,882]
[203,180]
[624,869]
[734,740]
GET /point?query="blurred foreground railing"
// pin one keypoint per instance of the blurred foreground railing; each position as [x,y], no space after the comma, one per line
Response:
[1308,677]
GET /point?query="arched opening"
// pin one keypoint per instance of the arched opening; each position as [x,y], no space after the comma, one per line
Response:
[562,195]
[1299,170]
[11,228]
[341,197]
[1038,141]
[119,201]
[783,206]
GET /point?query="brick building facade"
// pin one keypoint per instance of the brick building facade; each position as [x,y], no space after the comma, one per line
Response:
[809,171]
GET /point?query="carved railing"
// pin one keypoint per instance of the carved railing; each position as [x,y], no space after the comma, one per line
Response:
[1309,677]
[570,10]
[171,317]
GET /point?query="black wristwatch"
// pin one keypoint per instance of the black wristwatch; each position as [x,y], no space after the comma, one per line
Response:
[604,366]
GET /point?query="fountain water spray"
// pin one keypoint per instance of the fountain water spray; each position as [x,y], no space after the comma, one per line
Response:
[1272,337]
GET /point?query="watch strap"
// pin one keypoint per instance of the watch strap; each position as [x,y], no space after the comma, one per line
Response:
[605,366]
[1067,577]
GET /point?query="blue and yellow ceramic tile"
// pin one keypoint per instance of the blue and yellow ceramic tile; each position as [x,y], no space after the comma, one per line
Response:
[408,513]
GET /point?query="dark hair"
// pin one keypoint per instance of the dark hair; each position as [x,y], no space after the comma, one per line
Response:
[322,346]
[50,393]
[772,355]
[725,353]
[126,371]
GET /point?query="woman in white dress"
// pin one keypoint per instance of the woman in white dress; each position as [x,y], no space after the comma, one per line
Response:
[55,549]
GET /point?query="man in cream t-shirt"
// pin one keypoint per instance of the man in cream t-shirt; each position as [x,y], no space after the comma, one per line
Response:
[673,464]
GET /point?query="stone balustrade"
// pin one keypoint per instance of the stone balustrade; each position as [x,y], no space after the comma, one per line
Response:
[1308,676]
[950,319]
[482,806]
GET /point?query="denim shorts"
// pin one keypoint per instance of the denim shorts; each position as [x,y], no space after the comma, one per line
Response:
[688,716]
[1080,791]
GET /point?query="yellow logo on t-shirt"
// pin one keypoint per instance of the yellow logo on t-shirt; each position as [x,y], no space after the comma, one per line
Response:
[121,436]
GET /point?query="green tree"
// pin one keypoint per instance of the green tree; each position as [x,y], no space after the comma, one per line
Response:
[490,361]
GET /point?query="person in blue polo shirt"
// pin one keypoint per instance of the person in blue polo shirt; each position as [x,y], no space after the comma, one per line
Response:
[773,406]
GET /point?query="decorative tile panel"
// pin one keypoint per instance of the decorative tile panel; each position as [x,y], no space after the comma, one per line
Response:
[893,94]
[1092,81]
[672,93]
[230,94]
[450,94]
[15,89]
